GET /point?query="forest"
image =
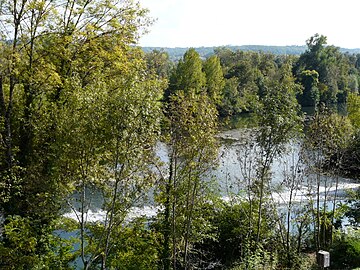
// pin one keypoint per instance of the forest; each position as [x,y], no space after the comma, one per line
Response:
[110,155]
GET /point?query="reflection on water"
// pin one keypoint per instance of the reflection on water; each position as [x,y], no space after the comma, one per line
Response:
[248,120]
[340,108]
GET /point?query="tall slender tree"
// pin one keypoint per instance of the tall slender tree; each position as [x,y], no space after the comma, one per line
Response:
[279,121]
[192,122]
[214,79]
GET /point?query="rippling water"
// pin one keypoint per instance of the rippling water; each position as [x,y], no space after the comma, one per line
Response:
[236,165]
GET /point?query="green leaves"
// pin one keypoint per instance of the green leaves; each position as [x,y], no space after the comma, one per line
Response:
[330,133]
[191,128]
[109,128]
[78,109]
[23,246]
[214,79]
[188,75]
[334,73]
[354,110]
[279,114]
[311,94]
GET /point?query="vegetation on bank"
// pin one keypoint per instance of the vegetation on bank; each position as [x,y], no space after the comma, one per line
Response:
[83,110]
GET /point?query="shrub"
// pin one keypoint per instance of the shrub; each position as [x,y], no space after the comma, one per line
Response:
[345,251]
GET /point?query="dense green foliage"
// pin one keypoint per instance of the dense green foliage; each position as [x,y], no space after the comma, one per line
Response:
[85,111]
[77,110]
[335,73]
[327,74]
[346,251]
[191,128]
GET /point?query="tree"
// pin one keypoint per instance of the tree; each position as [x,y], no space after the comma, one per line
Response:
[354,110]
[214,79]
[310,95]
[244,74]
[188,75]
[327,139]
[20,250]
[192,153]
[108,136]
[26,82]
[333,70]
[69,71]
[159,62]
[279,122]
[191,125]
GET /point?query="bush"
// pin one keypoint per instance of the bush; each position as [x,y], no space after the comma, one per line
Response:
[345,251]
[135,247]
[22,248]
[234,242]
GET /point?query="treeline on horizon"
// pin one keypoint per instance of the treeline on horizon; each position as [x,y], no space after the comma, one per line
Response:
[176,53]
[85,111]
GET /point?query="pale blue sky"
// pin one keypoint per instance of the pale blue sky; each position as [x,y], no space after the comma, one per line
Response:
[193,23]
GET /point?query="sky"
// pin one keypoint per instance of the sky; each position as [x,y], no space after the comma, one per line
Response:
[196,23]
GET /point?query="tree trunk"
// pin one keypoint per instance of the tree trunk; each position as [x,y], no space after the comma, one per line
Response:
[262,176]
[317,240]
[165,256]
[173,216]
[188,225]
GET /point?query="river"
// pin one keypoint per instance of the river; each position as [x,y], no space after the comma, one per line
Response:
[236,165]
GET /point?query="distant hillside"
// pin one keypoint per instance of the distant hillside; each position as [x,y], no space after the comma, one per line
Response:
[177,53]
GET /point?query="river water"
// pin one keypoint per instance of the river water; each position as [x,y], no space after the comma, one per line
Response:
[236,166]
[238,157]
